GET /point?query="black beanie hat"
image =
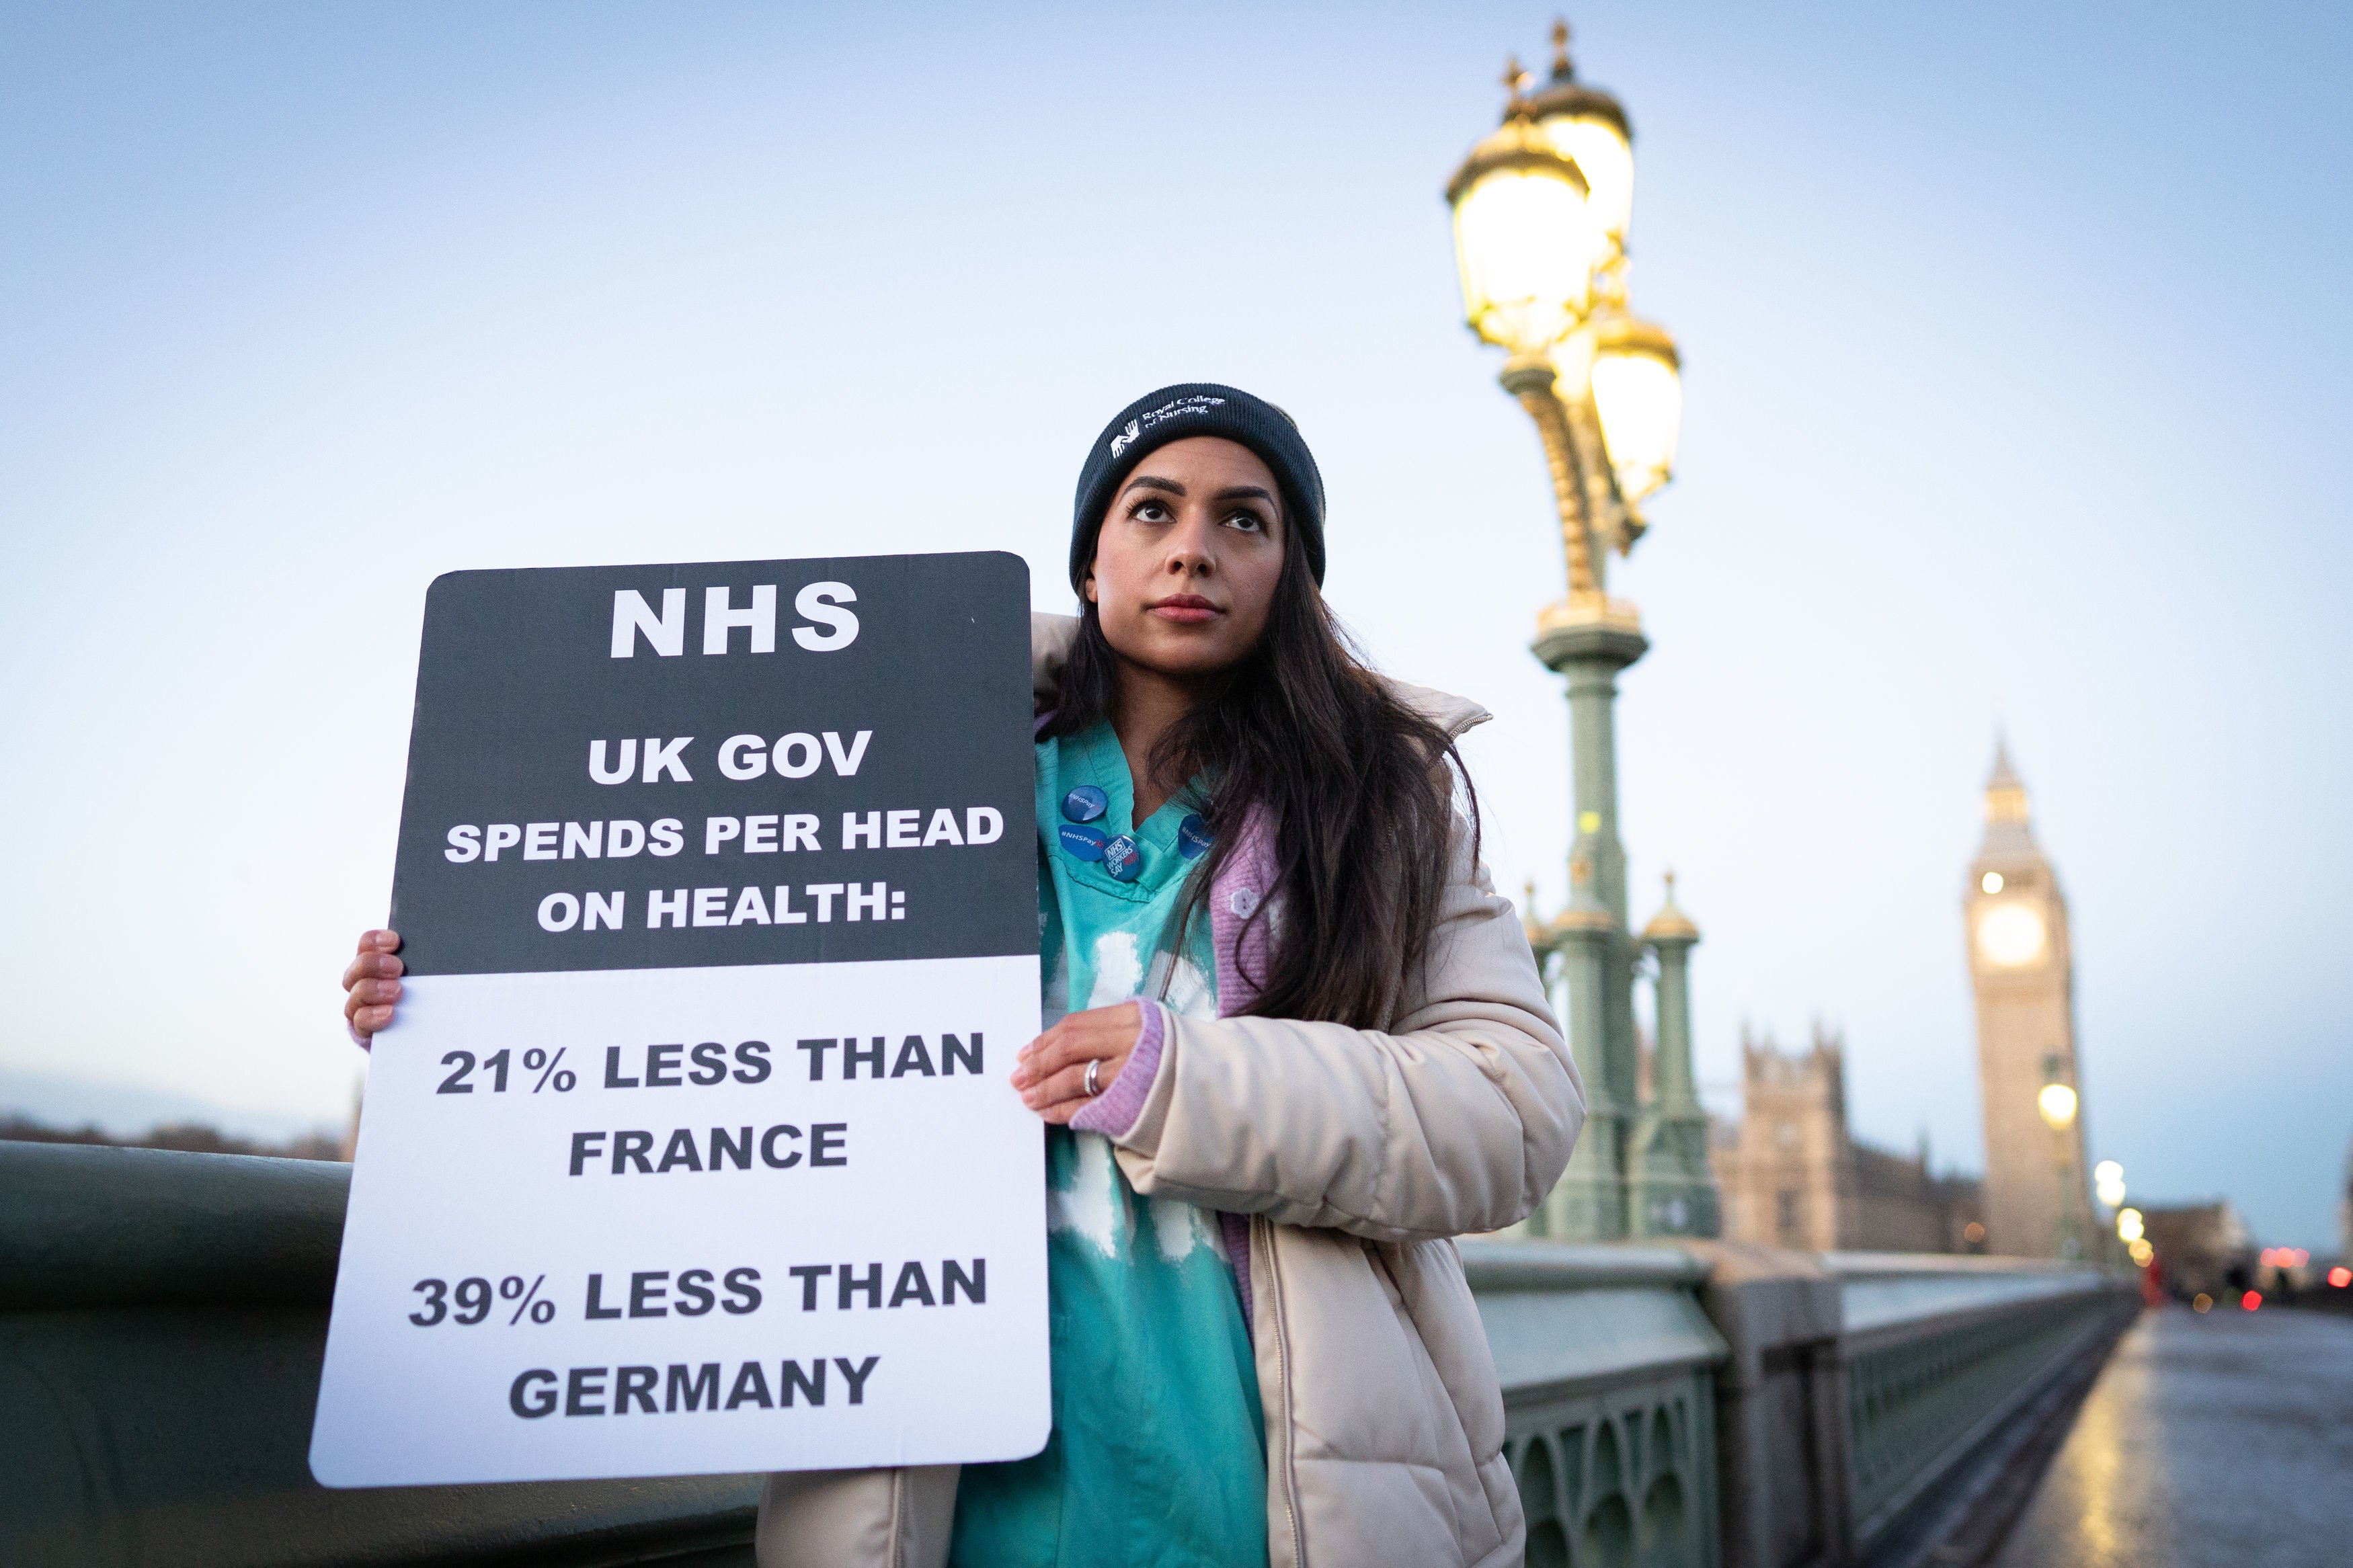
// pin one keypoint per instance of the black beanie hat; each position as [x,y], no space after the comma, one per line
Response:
[1198,408]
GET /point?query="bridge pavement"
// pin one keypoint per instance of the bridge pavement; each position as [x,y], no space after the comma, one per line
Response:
[2218,1441]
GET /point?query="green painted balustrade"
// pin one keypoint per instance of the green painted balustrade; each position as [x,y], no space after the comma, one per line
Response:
[1609,1370]
[163,1315]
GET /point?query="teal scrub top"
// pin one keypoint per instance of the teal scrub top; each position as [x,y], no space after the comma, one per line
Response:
[1157,1456]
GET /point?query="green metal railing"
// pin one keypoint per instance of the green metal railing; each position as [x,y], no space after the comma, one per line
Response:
[1607,1365]
[1938,1352]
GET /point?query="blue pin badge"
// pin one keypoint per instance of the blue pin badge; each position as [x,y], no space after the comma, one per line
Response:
[1194,837]
[1080,843]
[1085,803]
[1122,859]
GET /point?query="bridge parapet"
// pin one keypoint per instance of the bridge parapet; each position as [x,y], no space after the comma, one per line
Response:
[163,1318]
[1940,1353]
[1722,1405]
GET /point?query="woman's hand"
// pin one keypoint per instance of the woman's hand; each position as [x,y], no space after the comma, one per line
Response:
[372,984]
[1052,1070]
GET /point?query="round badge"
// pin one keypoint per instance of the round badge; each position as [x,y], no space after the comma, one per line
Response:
[1081,843]
[1122,859]
[1193,837]
[1085,803]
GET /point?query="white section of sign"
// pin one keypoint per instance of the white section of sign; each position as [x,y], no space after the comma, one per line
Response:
[934,1352]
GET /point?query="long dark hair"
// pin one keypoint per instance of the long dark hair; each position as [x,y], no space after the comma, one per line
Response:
[1361,785]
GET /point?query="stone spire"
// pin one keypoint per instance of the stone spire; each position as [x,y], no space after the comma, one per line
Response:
[2008,829]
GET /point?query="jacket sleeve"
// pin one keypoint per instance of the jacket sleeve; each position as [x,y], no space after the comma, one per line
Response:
[1459,1119]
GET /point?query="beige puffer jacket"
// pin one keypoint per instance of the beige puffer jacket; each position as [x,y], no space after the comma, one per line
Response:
[1358,1154]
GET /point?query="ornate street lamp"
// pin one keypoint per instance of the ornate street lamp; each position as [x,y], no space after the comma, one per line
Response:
[1540,209]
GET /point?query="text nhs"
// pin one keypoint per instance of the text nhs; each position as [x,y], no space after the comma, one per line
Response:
[831,628]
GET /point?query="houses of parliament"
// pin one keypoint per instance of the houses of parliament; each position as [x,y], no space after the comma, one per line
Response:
[1791,1173]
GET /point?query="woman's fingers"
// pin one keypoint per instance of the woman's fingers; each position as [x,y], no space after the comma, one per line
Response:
[1065,1092]
[369,1004]
[375,993]
[1080,1037]
[1055,1049]
[374,966]
[376,959]
[372,983]
[368,1020]
[1053,1074]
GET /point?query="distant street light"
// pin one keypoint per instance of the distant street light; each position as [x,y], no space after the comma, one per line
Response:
[2128,1226]
[2057,1102]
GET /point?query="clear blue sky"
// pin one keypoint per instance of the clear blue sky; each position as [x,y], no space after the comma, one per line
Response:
[2016,355]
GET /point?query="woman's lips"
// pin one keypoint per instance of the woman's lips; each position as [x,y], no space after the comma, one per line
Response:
[1185,609]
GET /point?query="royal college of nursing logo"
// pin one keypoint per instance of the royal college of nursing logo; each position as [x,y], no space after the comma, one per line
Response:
[1150,417]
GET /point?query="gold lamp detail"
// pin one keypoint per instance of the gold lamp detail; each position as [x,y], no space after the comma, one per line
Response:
[1637,393]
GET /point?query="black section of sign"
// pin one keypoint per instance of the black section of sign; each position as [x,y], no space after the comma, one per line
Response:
[518,679]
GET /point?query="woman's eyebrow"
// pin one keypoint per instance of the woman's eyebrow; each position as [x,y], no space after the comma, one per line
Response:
[1243,492]
[1154,482]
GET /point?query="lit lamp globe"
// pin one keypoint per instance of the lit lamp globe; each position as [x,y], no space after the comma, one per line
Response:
[1589,128]
[2109,1178]
[2057,1103]
[1524,239]
[1638,395]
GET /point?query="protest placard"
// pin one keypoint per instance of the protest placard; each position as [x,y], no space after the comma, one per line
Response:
[691,1148]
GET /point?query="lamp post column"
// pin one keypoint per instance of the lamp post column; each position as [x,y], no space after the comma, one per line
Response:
[1588,1202]
[1588,644]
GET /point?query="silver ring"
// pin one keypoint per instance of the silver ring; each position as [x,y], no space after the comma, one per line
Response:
[1094,1078]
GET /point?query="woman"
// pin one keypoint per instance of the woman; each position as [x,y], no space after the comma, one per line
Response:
[1296,1044]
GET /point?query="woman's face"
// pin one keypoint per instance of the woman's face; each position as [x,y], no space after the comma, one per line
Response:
[1188,556]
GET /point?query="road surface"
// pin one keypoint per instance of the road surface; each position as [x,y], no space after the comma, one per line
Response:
[2216,1441]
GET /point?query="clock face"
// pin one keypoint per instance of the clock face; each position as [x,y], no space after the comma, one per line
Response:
[2009,935]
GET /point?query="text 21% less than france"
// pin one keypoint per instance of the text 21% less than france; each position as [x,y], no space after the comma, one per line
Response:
[533,1060]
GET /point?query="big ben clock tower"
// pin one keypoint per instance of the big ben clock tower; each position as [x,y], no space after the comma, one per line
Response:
[2036,1201]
